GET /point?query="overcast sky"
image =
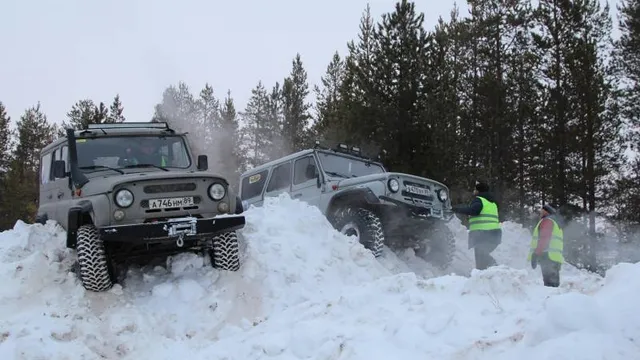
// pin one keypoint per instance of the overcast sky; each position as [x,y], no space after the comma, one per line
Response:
[58,52]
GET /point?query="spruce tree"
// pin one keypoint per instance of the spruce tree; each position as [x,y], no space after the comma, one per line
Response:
[327,109]
[296,115]
[258,129]
[116,111]
[24,177]
[230,143]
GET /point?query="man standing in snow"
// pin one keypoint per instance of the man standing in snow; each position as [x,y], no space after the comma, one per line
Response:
[547,245]
[485,233]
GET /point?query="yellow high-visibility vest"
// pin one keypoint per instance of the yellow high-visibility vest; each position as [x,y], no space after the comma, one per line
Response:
[555,248]
[487,219]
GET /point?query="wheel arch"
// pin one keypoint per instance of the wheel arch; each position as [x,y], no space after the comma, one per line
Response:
[78,215]
[357,197]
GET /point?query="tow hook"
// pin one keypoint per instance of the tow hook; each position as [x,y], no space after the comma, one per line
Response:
[180,241]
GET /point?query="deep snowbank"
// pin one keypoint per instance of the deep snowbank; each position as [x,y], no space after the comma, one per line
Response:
[305,291]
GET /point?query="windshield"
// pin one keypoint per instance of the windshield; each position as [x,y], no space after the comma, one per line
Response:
[340,166]
[102,153]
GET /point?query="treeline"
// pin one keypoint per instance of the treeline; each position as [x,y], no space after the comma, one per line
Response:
[537,99]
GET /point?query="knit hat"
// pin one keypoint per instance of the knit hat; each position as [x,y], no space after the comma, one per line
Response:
[548,208]
[482,186]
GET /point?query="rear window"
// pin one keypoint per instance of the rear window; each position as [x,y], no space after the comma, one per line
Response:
[253,184]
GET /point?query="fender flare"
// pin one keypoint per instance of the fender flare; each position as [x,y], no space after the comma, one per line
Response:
[239,208]
[80,214]
[360,196]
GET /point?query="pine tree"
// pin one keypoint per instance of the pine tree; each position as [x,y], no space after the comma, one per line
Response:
[258,129]
[5,140]
[295,107]
[597,124]
[328,98]
[86,112]
[5,162]
[555,41]
[81,114]
[359,100]
[400,83]
[23,178]
[274,124]
[116,111]
[628,57]
[230,144]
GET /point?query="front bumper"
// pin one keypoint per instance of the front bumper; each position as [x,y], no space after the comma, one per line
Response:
[186,228]
[420,212]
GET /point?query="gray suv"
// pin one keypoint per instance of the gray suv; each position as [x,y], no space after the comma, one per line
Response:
[131,190]
[359,197]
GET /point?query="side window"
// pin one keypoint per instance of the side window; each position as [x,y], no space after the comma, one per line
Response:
[45,168]
[281,177]
[302,170]
[252,185]
[65,156]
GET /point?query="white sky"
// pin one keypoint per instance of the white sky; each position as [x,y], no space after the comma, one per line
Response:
[58,52]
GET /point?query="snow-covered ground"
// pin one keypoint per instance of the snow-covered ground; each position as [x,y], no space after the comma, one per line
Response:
[306,292]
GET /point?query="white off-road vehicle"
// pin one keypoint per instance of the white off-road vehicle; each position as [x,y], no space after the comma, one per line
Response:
[359,197]
[130,190]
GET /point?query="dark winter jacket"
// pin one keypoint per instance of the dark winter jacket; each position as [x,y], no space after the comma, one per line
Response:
[473,209]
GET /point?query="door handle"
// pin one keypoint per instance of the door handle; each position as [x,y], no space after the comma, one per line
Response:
[60,194]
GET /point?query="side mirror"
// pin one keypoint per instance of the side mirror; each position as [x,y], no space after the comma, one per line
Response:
[59,169]
[203,162]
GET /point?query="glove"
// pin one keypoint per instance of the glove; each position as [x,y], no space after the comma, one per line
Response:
[534,261]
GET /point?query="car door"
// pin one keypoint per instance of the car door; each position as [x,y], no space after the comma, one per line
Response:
[47,201]
[62,190]
[280,180]
[305,180]
[252,186]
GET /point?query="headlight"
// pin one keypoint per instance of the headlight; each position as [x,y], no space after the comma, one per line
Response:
[442,195]
[124,198]
[394,185]
[217,192]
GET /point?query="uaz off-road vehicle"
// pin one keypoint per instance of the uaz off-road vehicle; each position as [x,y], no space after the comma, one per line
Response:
[359,197]
[123,191]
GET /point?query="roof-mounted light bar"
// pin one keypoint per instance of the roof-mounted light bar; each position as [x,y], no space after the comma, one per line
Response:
[129,125]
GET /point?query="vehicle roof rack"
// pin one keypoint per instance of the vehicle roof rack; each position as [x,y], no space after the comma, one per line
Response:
[130,125]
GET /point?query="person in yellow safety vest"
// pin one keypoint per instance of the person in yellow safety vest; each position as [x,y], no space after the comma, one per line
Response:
[147,153]
[485,231]
[547,246]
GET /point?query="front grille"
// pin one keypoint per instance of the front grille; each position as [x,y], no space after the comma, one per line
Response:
[167,188]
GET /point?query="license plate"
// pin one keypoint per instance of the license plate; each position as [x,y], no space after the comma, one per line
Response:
[171,202]
[417,190]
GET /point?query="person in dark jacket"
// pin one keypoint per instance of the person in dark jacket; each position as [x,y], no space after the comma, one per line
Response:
[485,232]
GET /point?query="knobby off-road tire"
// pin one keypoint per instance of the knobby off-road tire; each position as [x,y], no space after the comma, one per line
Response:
[440,245]
[93,261]
[365,225]
[225,253]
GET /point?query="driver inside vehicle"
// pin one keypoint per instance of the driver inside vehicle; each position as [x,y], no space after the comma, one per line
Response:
[146,151]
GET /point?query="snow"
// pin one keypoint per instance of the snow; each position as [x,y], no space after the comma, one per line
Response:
[306,292]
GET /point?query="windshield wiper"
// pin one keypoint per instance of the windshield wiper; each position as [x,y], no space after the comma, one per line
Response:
[96,167]
[337,174]
[145,165]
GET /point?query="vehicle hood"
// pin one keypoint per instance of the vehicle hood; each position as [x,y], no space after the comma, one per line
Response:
[360,179]
[106,182]
[383,177]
